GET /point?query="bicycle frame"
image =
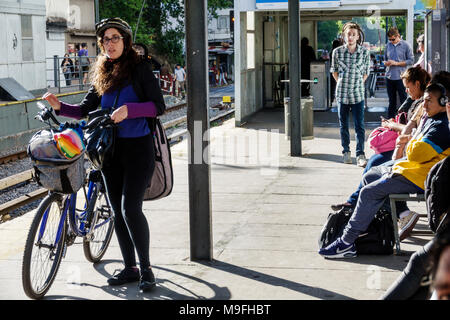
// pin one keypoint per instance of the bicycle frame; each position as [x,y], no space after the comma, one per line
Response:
[70,209]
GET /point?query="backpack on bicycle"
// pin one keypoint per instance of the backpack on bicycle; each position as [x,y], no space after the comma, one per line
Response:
[58,160]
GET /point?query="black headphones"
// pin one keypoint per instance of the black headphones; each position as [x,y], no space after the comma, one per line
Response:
[443,99]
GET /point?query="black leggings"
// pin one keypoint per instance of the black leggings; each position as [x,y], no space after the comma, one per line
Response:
[126,178]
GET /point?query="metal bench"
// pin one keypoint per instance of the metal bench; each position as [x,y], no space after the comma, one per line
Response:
[402,197]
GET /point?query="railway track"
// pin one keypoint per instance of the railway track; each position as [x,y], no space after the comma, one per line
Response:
[26,176]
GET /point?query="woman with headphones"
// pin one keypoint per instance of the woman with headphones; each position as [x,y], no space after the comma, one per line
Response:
[121,78]
[350,67]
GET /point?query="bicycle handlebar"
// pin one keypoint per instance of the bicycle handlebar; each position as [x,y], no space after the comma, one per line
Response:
[96,118]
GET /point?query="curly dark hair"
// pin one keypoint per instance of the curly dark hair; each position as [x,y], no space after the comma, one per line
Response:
[417,73]
[108,75]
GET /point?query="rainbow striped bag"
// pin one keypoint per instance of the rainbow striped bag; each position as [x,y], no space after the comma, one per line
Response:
[58,160]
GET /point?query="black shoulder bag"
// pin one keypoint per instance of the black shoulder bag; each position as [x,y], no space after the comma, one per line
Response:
[100,137]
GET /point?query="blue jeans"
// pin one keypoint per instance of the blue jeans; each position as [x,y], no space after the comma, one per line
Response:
[357,110]
[379,183]
[392,87]
[377,160]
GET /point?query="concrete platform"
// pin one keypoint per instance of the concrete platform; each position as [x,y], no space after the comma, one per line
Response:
[267,215]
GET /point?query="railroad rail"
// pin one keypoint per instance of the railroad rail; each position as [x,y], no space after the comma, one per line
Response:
[11,181]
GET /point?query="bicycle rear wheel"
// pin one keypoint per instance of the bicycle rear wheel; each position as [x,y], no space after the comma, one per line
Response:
[97,242]
[42,256]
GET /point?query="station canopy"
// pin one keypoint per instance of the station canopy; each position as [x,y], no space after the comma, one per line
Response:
[338,9]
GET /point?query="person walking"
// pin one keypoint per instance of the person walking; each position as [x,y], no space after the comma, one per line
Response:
[222,77]
[350,68]
[398,55]
[67,69]
[84,61]
[180,77]
[120,75]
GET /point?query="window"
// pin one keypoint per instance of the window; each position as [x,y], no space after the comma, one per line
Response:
[222,22]
[250,40]
[27,38]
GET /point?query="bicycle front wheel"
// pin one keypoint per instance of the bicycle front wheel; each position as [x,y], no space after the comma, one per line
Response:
[97,242]
[43,252]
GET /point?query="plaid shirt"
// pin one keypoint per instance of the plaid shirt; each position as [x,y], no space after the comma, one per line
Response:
[351,69]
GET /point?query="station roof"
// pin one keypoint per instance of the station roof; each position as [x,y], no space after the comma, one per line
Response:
[332,9]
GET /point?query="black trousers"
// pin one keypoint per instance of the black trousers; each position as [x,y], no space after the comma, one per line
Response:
[126,178]
[393,87]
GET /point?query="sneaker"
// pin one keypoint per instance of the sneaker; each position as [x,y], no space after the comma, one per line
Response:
[147,280]
[347,158]
[406,224]
[337,207]
[361,161]
[338,249]
[127,275]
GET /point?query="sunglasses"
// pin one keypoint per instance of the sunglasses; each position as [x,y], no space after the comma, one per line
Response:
[392,39]
[114,39]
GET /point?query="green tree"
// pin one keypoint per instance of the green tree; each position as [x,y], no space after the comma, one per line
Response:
[161,26]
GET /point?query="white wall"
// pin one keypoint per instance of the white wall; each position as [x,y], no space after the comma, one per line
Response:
[30,74]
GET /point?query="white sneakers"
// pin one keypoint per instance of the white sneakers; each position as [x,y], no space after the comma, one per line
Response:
[347,158]
[406,224]
[361,160]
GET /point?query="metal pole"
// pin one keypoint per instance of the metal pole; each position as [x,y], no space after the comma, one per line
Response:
[55,71]
[294,77]
[198,128]
[139,19]
[97,11]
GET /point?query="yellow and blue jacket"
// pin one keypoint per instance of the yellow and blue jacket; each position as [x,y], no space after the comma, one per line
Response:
[429,147]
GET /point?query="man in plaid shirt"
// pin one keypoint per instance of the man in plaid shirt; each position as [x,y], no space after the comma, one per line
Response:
[350,68]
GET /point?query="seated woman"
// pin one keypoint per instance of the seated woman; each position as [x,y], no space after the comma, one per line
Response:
[415,81]
[405,176]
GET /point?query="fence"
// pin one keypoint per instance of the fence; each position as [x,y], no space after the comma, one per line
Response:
[73,75]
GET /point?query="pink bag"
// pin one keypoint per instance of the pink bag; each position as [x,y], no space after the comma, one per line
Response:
[382,139]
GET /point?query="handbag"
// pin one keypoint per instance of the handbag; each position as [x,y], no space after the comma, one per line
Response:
[383,139]
[100,138]
[161,181]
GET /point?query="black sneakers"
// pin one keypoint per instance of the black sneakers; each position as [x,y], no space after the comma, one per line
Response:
[125,276]
[147,281]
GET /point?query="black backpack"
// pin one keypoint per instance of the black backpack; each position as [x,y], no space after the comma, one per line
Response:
[437,192]
[377,239]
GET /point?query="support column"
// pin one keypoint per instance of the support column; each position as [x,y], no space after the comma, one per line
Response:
[410,27]
[294,77]
[198,127]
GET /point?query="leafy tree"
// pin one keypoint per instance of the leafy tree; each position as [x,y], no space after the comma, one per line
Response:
[161,26]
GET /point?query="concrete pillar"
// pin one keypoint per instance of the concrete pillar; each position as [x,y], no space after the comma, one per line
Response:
[410,26]
[294,77]
[199,172]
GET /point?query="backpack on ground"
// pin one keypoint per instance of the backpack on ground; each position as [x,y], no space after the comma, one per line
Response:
[51,168]
[437,191]
[378,239]
[161,182]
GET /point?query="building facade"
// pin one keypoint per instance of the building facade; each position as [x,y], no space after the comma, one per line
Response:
[22,42]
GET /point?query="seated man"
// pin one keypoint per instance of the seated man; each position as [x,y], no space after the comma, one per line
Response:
[407,176]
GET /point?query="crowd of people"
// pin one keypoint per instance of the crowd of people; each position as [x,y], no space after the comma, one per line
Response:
[422,142]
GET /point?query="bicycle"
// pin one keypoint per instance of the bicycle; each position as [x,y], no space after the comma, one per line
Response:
[58,222]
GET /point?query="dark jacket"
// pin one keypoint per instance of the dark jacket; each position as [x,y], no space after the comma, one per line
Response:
[144,84]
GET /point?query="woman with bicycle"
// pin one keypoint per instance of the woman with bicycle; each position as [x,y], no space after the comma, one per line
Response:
[121,78]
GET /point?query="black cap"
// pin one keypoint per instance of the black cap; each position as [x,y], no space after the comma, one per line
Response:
[113,23]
